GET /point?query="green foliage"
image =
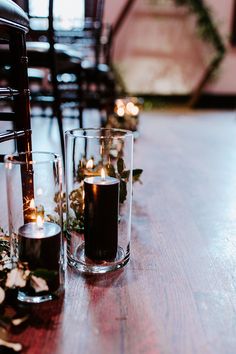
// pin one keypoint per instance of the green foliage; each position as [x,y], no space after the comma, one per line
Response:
[207,28]
[76,224]
[123,191]
[137,174]
[120,165]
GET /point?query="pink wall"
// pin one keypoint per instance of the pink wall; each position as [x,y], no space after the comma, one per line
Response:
[225,79]
[186,73]
[112,10]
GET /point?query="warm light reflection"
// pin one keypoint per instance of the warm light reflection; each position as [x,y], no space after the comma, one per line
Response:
[39,191]
[119,103]
[89,164]
[103,174]
[101,148]
[39,221]
[9,165]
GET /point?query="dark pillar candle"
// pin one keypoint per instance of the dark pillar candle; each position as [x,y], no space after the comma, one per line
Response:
[101,217]
[40,247]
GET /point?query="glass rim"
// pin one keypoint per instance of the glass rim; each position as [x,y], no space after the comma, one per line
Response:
[11,158]
[122,133]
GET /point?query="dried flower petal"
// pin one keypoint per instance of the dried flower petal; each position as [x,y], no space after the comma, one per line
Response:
[2,295]
[39,284]
[19,321]
[17,347]
[5,260]
[16,278]
[26,274]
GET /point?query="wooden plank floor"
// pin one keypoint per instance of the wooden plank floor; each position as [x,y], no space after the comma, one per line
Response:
[178,293]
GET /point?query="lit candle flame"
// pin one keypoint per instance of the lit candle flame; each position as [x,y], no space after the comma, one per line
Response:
[120,111]
[135,111]
[103,174]
[39,221]
[32,204]
[132,109]
[129,107]
[89,164]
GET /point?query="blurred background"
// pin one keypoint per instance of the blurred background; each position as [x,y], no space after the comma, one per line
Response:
[101,63]
[167,51]
[177,50]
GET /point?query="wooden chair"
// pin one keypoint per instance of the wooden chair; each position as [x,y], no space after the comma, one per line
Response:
[47,55]
[58,58]
[13,27]
[97,77]
[80,53]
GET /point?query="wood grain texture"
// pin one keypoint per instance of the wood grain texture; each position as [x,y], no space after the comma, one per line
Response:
[177,295]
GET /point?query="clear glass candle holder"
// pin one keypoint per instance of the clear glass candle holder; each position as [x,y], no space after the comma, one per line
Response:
[34,193]
[99,165]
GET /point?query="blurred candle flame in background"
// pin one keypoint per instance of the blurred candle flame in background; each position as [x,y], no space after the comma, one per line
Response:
[89,163]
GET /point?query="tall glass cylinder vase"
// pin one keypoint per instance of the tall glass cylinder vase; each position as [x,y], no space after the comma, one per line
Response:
[99,165]
[34,191]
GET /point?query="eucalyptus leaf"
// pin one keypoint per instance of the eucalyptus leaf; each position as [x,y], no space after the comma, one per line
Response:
[120,165]
[136,174]
[110,170]
[123,191]
[125,174]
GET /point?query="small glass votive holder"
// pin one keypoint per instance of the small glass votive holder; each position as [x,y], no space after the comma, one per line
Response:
[34,193]
[99,165]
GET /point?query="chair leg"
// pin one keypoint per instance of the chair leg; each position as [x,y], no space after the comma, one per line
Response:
[58,114]
[81,125]
[57,111]
[103,117]
[22,109]
[20,82]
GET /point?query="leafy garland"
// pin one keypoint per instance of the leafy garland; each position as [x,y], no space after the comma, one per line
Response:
[208,32]
[207,28]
